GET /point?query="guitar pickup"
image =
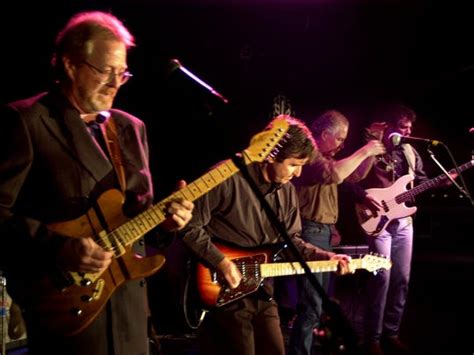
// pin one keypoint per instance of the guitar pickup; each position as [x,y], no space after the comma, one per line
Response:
[99,287]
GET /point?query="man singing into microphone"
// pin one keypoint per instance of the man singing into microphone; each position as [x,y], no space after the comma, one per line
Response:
[387,291]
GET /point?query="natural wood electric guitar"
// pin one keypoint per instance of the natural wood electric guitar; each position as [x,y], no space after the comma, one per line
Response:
[68,302]
[393,200]
[255,265]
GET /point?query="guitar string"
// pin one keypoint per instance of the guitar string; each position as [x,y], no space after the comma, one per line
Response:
[411,193]
[125,234]
[117,239]
[253,268]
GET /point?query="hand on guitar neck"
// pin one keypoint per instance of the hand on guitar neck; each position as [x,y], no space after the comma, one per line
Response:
[344,265]
[448,182]
[179,212]
[254,265]
[233,275]
[67,301]
[382,205]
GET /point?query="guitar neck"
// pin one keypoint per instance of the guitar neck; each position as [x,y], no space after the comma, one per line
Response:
[262,145]
[138,226]
[410,194]
[294,268]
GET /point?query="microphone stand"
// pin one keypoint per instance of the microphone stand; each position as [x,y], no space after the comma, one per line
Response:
[3,312]
[333,310]
[464,190]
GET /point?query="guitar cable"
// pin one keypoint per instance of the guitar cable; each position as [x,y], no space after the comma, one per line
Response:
[186,293]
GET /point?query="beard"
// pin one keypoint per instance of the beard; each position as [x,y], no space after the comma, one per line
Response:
[100,100]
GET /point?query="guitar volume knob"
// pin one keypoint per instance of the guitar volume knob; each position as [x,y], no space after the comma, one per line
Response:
[87,298]
[86,282]
[76,312]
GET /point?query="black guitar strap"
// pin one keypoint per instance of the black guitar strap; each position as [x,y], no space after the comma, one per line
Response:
[344,328]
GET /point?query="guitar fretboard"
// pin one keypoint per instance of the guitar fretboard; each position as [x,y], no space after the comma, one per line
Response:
[262,145]
[134,229]
[294,268]
[410,194]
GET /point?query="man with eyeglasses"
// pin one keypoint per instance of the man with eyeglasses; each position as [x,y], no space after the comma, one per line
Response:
[61,154]
[109,75]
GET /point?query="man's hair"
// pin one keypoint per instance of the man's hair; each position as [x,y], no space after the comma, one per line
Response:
[298,142]
[73,39]
[394,112]
[329,120]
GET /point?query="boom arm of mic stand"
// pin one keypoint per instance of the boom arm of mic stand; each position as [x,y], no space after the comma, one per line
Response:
[330,307]
[463,191]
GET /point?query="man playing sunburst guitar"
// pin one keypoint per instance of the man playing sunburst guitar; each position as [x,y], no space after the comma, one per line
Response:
[387,291]
[232,214]
[75,189]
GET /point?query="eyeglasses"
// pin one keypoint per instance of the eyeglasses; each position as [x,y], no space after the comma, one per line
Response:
[109,75]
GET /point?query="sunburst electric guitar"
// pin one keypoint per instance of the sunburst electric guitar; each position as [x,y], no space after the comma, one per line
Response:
[68,302]
[393,200]
[255,265]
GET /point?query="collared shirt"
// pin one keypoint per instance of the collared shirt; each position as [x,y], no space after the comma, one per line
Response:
[317,191]
[394,165]
[94,129]
[231,212]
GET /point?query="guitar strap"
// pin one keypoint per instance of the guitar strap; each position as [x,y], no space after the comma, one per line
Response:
[109,130]
[410,157]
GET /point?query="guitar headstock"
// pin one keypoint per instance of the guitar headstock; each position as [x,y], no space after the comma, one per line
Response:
[282,106]
[374,263]
[267,142]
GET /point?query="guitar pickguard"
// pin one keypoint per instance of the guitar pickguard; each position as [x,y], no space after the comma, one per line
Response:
[251,279]
[381,225]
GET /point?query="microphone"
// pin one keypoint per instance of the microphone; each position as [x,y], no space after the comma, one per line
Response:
[177,64]
[397,139]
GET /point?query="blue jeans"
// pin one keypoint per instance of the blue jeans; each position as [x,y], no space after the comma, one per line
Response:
[309,306]
[387,290]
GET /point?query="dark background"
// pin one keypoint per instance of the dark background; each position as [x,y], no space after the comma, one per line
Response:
[347,55]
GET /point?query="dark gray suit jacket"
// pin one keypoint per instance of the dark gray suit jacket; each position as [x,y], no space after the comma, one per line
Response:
[52,170]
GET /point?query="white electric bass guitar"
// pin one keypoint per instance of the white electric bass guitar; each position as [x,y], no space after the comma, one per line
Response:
[393,200]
